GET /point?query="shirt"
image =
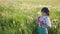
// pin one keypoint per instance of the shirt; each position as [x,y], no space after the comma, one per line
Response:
[45,20]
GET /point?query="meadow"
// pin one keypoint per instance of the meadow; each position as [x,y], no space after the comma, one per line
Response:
[20,16]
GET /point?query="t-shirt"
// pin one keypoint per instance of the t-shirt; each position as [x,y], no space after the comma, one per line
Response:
[45,20]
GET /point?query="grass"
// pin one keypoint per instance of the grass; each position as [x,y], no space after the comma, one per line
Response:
[20,17]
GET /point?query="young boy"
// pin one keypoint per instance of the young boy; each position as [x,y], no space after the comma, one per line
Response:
[44,21]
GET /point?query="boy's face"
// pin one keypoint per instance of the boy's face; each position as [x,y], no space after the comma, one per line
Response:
[44,14]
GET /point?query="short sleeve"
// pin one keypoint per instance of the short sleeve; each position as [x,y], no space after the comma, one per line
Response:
[48,22]
[38,19]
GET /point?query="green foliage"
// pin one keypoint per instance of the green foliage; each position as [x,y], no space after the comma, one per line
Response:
[22,19]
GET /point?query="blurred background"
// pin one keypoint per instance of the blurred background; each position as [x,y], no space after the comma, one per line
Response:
[20,16]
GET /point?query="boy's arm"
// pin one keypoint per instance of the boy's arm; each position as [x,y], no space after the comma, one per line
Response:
[43,24]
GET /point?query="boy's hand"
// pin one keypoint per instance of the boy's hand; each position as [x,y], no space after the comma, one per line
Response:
[41,23]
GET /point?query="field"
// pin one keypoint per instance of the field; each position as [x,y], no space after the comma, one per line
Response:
[20,16]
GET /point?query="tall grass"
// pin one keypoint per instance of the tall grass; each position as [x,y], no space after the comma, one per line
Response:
[22,19]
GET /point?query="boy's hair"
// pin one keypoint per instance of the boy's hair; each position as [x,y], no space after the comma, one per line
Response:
[46,10]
